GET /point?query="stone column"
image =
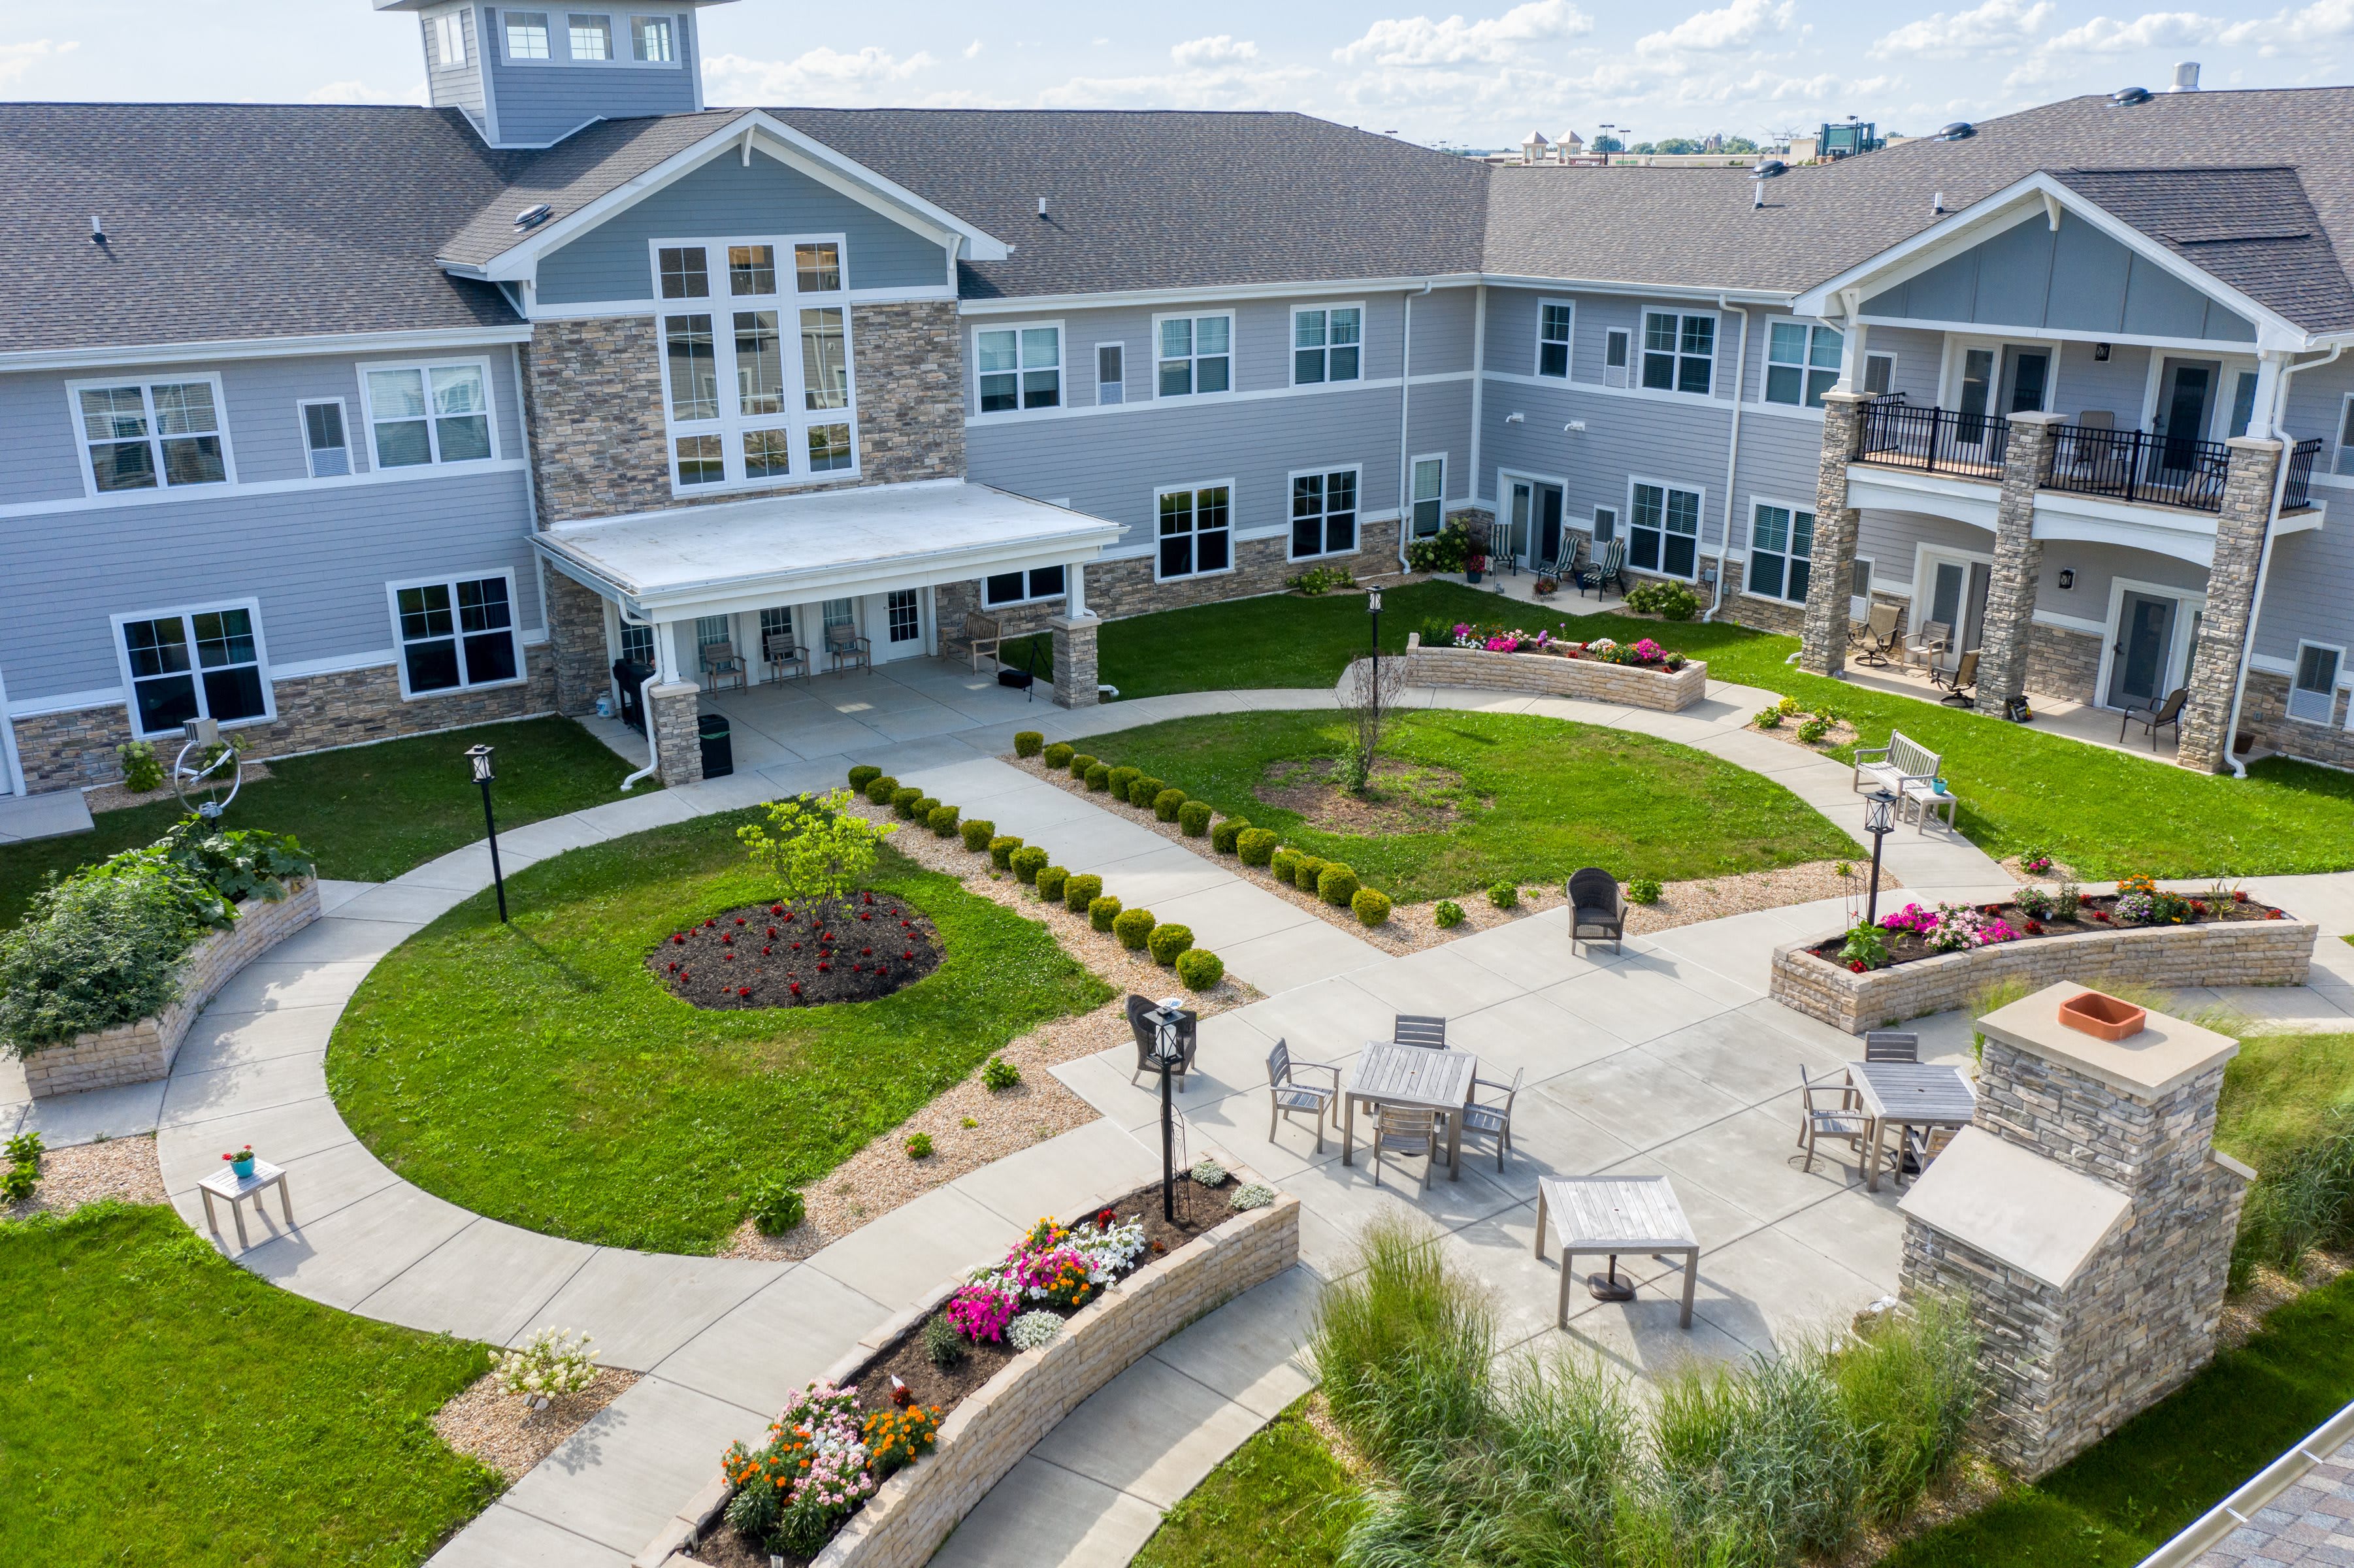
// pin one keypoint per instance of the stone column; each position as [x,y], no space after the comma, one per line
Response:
[677,704]
[1822,647]
[2018,561]
[575,631]
[1074,660]
[2231,600]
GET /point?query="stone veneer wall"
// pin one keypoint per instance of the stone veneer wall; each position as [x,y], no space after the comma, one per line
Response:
[576,632]
[143,1051]
[76,750]
[592,392]
[1588,678]
[2063,664]
[2263,713]
[908,1517]
[678,741]
[2240,529]
[2235,952]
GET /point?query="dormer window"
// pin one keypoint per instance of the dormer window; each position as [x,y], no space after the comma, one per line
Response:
[650,39]
[450,39]
[591,37]
[526,35]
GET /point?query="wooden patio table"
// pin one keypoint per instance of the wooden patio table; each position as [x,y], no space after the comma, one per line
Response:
[1615,1214]
[1412,1076]
[1907,1094]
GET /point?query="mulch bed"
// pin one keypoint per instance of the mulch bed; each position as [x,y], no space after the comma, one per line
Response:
[808,955]
[2094,913]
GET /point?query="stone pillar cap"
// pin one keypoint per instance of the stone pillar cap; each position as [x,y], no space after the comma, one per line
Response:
[2037,417]
[675,689]
[2167,1053]
[2017,1206]
[1074,623]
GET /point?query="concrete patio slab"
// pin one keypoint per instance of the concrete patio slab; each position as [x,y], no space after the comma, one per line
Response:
[1551,1140]
[1437,982]
[272,983]
[189,1152]
[1151,1432]
[1164,871]
[1747,1060]
[1769,1287]
[1041,1513]
[1323,1020]
[503,1537]
[1299,955]
[1065,1175]
[344,937]
[1239,911]
[248,1086]
[407,905]
[1346,1197]
[1639,1339]
[903,1253]
[220,1039]
[124,1111]
[1754,1160]
[1531,1035]
[52,815]
[333,894]
[1640,1099]
[770,1346]
[1633,1000]
[642,1307]
[1861,1230]
[1253,1350]
[343,1257]
[489,1282]
[623,1475]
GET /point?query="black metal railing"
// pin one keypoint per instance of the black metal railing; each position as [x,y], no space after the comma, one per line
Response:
[2300,474]
[2133,466]
[1934,440]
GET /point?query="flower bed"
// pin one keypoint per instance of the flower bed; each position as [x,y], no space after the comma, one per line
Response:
[969,1423]
[1638,674]
[799,955]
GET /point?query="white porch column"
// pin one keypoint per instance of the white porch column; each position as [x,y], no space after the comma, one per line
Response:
[1075,585]
[1851,376]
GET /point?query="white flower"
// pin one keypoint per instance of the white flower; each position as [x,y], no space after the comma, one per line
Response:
[1032,1330]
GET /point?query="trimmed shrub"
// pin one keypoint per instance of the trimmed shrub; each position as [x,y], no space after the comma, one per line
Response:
[1098,778]
[1643,890]
[775,1207]
[1145,791]
[1167,803]
[862,776]
[1027,862]
[1193,818]
[1133,927]
[919,1146]
[943,820]
[881,787]
[1081,762]
[1102,912]
[1000,1075]
[1284,863]
[1306,870]
[1081,891]
[1504,896]
[1256,845]
[1226,836]
[1028,743]
[977,834]
[1371,905]
[1121,778]
[1200,969]
[1057,756]
[1448,914]
[1001,851]
[1050,883]
[1667,600]
[902,801]
[1338,885]
[1167,940]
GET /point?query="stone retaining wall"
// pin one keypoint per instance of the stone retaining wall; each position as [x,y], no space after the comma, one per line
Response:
[143,1051]
[1630,685]
[908,1517]
[2235,952]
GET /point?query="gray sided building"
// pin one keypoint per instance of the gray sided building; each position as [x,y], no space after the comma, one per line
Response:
[351,422]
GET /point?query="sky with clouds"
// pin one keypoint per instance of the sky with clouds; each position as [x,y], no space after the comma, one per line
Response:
[1482,77]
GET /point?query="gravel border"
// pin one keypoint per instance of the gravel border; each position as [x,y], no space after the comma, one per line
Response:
[507,1434]
[120,1168]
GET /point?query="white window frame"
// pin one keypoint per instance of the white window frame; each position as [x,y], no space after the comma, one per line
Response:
[1568,341]
[1700,522]
[1811,340]
[1414,500]
[1232,528]
[147,385]
[1858,605]
[2342,461]
[730,424]
[1119,385]
[447,32]
[1786,555]
[1294,349]
[1062,368]
[1622,373]
[1594,524]
[187,615]
[432,430]
[1194,359]
[1323,532]
[1028,576]
[1639,351]
[672,42]
[1876,358]
[613,39]
[2336,679]
[1955,366]
[302,424]
[458,633]
[508,18]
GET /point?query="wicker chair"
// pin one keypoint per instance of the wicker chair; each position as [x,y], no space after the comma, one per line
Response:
[1595,908]
[1188,1036]
[1287,1095]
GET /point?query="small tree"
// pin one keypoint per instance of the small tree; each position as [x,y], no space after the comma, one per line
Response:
[1371,700]
[815,846]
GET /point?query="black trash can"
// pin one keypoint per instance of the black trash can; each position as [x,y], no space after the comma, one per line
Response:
[631,677]
[718,751]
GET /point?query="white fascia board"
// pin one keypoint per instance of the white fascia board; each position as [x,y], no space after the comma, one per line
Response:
[789,146]
[212,350]
[1034,304]
[1640,288]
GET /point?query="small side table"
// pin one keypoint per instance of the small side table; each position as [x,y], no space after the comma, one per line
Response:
[1613,1214]
[1926,802]
[227,1184]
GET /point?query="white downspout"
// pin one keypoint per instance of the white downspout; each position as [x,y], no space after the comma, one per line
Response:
[1732,448]
[2265,557]
[1479,381]
[1405,436]
[663,655]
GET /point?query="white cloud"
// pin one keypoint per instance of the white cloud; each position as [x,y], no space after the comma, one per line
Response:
[2321,21]
[2152,30]
[822,75]
[1734,26]
[1419,41]
[357,92]
[1221,50]
[1996,24]
[1237,82]
[973,50]
[17,60]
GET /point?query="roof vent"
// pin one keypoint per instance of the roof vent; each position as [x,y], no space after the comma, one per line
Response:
[1769,169]
[2186,77]
[1937,205]
[2125,97]
[534,215]
[96,232]
[1959,131]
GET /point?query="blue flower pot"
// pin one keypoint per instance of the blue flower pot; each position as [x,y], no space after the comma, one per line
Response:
[243,1168]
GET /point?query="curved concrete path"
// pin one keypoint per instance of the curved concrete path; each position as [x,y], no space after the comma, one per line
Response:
[1665,1058]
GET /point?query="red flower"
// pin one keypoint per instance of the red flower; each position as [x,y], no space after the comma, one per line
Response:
[765,951]
[796,987]
[743,991]
[2083,898]
[727,957]
[2276,915]
[909,955]
[797,947]
[775,908]
[823,969]
[678,937]
[2239,896]
[2035,927]
[789,914]
[1856,964]
[712,922]
[862,914]
[729,939]
[1105,1219]
[740,919]
[865,952]
[870,898]
[772,930]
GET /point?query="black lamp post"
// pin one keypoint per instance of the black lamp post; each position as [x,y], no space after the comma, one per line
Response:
[1167,1051]
[1879,816]
[479,756]
[1373,606]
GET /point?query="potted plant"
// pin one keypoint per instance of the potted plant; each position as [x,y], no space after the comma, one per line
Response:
[1546,588]
[1472,566]
[241,1161]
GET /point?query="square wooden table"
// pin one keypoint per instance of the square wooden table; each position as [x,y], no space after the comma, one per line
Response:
[1412,1076]
[1616,1215]
[1907,1094]
[227,1184]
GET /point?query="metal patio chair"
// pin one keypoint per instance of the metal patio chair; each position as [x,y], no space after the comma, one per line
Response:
[1878,637]
[1415,1029]
[1486,1118]
[1412,1133]
[1287,1095]
[1958,680]
[1842,1122]
[2159,716]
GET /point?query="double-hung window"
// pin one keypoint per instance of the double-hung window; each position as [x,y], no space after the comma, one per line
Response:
[456,633]
[1324,512]
[1196,531]
[1018,368]
[429,413]
[1663,529]
[1553,319]
[1878,374]
[323,438]
[1327,344]
[138,436]
[1111,373]
[1196,355]
[756,362]
[650,39]
[1021,588]
[1429,499]
[1802,362]
[2345,463]
[1679,352]
[196,663]
[1781,541]
[2313,694]
[450,39]
[526,35]
[590,36]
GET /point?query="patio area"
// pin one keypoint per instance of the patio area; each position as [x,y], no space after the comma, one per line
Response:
[860,712]
[2085,722]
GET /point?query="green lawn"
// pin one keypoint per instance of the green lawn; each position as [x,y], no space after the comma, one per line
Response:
[2108,813]
[1280,1500]
[1540,799]
[2121,1499]
[370,813]
[2276,1090]
[160,1406]
[538,1074]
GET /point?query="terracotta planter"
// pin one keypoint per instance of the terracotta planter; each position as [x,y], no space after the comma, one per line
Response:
[2101,1016]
